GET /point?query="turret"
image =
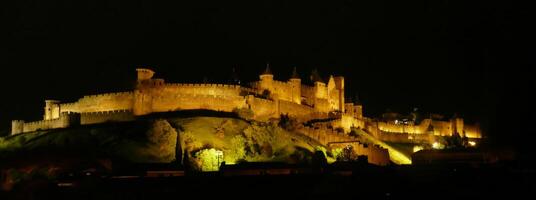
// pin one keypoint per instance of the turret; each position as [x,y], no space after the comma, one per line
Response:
[69,119]
[319,85]
[266,80]
[358,109]
[315,77]
[144,74]
[458,126]
[17,126]
[52,109]
[339,85]
[295,82]
[145,79]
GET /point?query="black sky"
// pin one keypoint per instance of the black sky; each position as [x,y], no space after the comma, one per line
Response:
[471,58]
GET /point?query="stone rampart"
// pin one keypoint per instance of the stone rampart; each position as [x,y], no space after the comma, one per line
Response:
[100,103]
[328,137]
[107,116]
[65,120]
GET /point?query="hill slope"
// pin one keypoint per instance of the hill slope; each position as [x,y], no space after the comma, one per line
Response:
[166,140]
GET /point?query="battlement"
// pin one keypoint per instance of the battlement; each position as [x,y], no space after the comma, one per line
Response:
[106,112]
[322,101]
[204,85]
[194,96]
[335,139]
[144,74]
[65,120]
[106,116]
[113,94]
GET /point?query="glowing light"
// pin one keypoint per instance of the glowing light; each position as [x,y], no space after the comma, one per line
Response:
[436,145]
[417,148]
[395,155]
[472,143]
[211,159]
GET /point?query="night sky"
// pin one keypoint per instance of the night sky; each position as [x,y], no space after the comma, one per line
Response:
[471,58]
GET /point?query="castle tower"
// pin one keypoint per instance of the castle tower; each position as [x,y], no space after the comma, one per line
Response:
[319,85]
[295,82]
[339,85]
[358,109]
[266,80]
[333,94]
[142,94]
[17,126]
[69,119]
[320,99]
[52,109]
[458,126]
[144,74]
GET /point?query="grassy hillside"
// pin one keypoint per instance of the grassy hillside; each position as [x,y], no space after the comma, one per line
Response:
[135,141]
[240,140]
[168,139]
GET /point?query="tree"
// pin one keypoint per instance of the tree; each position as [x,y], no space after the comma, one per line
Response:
[287,122]
[319,160]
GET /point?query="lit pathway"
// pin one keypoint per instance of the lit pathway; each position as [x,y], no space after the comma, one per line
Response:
[395,155]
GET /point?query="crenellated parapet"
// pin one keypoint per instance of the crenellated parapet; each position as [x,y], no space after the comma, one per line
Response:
[106,116]
[266,98]
[203,85]
[432,127]
[105,102]
[65,120]
[106,95]
[336,139]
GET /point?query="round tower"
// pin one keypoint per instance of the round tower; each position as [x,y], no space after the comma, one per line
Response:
[17,126]
[266,80]
[295,82]
[144,74]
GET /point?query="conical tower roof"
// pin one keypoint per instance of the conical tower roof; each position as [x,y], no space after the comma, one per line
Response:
[295,74]
[267,71]
[315,76]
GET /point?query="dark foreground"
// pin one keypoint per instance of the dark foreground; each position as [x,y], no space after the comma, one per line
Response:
[424,182]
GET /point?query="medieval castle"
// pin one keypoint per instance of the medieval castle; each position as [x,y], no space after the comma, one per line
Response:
[266,98]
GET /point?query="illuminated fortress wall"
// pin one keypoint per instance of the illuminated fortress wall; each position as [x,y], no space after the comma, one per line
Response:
[418,133]
[433,127]
[331,138]
[403,128]
[292,98]
[263,108]
[322,97]
[63,121]
[267,99]
[100,103]
[174,97]
[107,116]
[472,131]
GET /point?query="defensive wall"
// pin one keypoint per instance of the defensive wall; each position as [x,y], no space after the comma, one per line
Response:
[264,109]
[106,116]
[332,139]
[308,94]
[65,120]
[403,128]
[292,98]
[287,91]
[100,103]
[202,89]
[432,127]
[195,102]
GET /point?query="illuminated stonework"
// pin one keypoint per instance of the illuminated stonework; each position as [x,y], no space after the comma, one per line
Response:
[266,99]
